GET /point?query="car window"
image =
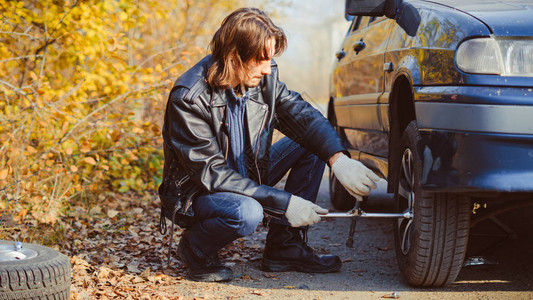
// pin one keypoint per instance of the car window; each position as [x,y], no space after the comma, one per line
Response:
[375,20]
[359,23]
[355,24]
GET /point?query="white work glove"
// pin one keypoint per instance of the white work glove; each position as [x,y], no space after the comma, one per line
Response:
[301,212]
[357,179]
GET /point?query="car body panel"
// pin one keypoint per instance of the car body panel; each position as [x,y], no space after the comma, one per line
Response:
[504,18]
[368,87]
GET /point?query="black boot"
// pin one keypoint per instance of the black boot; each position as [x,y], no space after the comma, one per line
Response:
[286,250]
[202,269]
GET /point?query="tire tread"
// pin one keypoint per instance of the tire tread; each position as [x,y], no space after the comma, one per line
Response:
[45,277]
[441,226]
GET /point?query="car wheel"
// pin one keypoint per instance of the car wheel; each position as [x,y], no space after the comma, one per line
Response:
[30,271]
[339,197]
[431,244]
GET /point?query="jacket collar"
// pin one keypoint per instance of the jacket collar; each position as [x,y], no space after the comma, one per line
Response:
[219,97]
[195,80]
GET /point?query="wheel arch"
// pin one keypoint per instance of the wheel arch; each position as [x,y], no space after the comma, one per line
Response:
[401,113]
[331,113]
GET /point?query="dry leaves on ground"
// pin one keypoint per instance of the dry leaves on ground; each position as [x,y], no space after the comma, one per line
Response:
[117,251]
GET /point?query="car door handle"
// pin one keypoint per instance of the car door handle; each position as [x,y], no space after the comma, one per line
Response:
[358,46]
[340,54]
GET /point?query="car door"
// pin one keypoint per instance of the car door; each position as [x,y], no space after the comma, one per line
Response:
[358,84]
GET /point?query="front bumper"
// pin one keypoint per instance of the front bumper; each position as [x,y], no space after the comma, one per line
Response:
[473,162]
[473,141]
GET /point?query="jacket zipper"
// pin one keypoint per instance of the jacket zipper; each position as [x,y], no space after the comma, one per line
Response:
[180,182]
[227,139]
[227,148]
[258,145]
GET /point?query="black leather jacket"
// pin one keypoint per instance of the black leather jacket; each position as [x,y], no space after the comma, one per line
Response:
[196,137]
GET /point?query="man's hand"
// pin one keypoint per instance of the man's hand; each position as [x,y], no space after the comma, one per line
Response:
[357,179]
[301,212]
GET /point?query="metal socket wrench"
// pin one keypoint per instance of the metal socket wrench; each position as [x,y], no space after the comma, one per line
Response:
[362,214]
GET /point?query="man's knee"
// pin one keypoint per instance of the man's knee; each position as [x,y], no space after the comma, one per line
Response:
[251,214]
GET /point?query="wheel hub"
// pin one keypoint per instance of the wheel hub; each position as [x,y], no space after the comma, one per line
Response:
[15,252]
[406,191]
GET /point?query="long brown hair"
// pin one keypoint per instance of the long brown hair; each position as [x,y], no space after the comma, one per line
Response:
[242,36]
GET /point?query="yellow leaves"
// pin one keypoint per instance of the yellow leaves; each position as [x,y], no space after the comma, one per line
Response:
[64,129]
[137,130]
[90,161]
[3,174]
[90,114]
[122,16]
[86,147]
[31,150]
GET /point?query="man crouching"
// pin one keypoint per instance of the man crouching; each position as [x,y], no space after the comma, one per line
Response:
[219,155]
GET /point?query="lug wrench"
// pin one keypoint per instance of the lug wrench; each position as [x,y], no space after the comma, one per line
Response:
[358,213]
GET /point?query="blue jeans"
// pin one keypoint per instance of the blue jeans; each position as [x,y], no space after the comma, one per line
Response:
[224,217]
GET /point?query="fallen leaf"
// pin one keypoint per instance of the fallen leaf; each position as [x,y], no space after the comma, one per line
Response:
[145,273]
[349,259]
[118,293]
[386,248]
[133,269]
[394,295]
[23,212]
[112,213]
[104,273]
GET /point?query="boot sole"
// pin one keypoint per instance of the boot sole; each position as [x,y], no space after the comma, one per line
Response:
[268,265]
[209,277]
[227,276]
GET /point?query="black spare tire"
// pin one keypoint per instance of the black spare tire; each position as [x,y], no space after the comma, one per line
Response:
[30,271]
[431,245]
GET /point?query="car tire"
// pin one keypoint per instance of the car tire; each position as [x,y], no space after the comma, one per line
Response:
[340,198]
[431,245]
[36,272]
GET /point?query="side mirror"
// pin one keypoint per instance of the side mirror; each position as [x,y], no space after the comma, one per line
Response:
[387,8]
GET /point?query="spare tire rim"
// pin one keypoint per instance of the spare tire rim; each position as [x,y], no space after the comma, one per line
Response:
[15,252]
[406,200]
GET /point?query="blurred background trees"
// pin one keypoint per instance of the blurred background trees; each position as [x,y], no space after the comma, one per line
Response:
[83,87]
[84,84]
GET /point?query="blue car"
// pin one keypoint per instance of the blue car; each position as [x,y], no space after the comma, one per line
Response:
[437,97]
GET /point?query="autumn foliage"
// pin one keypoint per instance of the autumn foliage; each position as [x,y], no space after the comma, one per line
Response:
[83,86]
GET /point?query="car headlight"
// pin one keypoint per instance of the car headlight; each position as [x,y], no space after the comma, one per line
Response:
[507,57]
